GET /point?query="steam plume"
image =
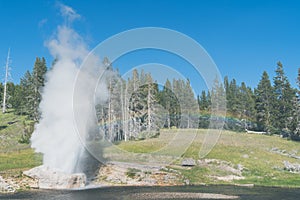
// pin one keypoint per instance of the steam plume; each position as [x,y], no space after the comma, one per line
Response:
[55,135]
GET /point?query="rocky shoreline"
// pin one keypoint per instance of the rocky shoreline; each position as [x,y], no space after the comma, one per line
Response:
[118,174]
[14,184]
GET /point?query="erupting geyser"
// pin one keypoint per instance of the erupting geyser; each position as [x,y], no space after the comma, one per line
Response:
[56,135]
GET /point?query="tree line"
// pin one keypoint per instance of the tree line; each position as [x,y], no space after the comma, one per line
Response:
[142,106]
[24,98]
[272,107]
[138,107]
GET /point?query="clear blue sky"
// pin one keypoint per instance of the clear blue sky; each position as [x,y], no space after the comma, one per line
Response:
[244,38]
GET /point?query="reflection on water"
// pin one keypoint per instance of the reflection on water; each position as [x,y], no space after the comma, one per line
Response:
[260,193]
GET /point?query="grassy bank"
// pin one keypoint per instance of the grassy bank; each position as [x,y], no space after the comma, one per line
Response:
[261,165]
[14,155]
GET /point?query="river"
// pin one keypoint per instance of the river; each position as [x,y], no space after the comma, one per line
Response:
[128,192]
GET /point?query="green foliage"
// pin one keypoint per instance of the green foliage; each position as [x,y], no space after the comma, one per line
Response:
[28,128]
[187,106]
[232,97]
[204,102]
[170,102]
[27,95]
[147,134]
[282,111]
[240,100]
[295,135]
[143,106]
[1,93]
[38,76]
[132,172]
[264,98]
[15,156]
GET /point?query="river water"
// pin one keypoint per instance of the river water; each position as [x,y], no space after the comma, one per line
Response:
[128,192]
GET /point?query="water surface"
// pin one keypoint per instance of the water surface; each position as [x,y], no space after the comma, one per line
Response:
[128,192]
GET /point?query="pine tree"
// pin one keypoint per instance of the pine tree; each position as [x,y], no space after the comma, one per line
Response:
[283,102]
[10,94]
[191,109]
[166,101]
[247,103]
[203,102]
[114,108]
[135,106]
[218,97]
[263,103]
[226,85]
[27,96]
[232,98]
[298,99]
[124,108]
[27,104]
[17,99]
[1,93]
[296,113]
[218,104]
[38,75]
[208,100]
[170,103]
[151,116]
[180,93]
[176,109]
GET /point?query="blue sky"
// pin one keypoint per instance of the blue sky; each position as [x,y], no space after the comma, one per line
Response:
[244,38]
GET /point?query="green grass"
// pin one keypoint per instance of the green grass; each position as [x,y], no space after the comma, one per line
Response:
[19,160]
[261,166]
[132,172]
[145,146]
[11,130]
[15,156]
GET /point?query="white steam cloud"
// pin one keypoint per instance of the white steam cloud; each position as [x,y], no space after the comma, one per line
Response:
[68,13]
[56,135]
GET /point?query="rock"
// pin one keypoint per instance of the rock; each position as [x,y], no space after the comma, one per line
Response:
[240,167]
[167,178]
[55,179]
[188,162]
[275,149]
[245,185]
[117,174]
[26,182]
[186,181]
[245,156]
[229,169]
[292,154]
[228,178]
[150,181]
[7,186]
[296,157]
[291,167]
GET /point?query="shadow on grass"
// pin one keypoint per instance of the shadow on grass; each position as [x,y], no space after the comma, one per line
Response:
[3,127]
